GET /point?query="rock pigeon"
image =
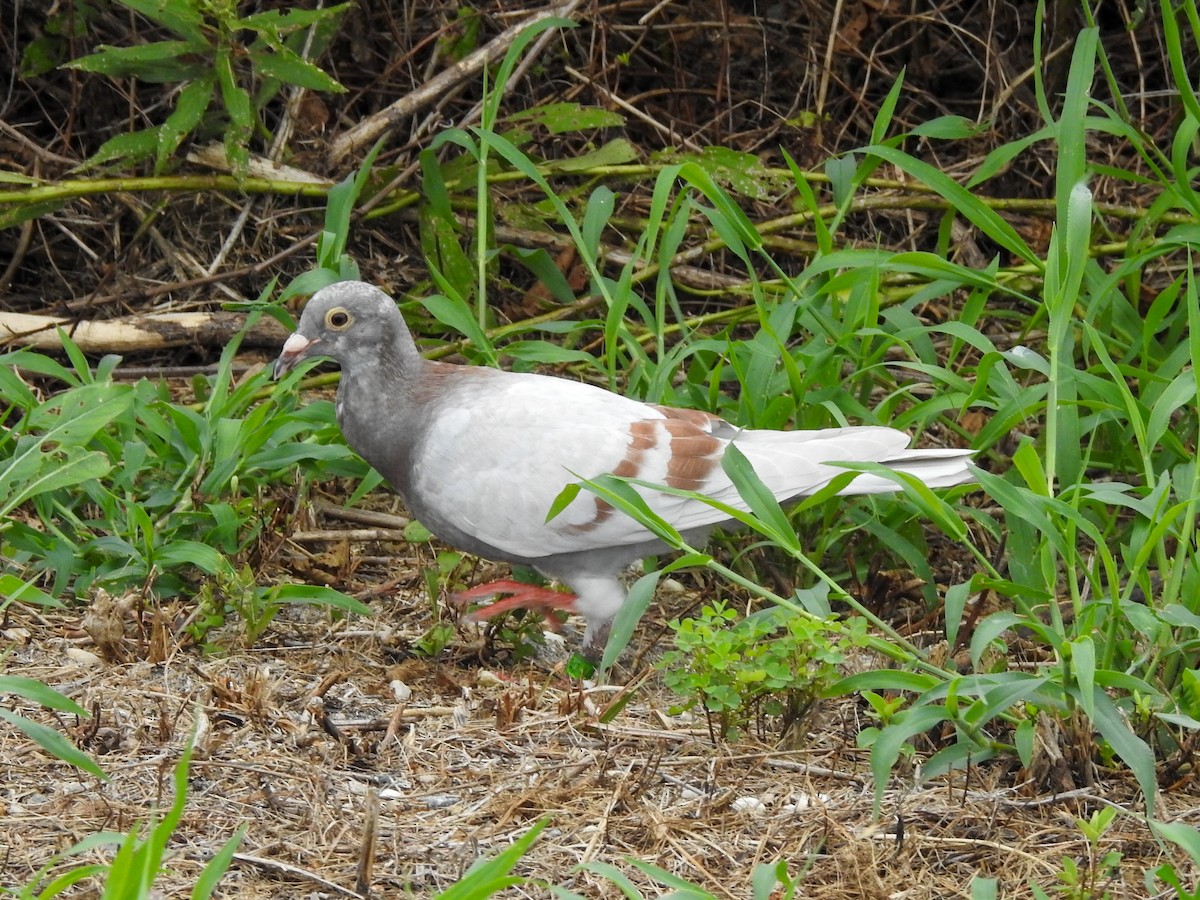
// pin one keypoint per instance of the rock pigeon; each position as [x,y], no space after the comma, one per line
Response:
[479,455]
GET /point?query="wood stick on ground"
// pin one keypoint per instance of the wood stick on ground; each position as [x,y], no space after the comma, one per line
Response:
[373,126]
[138,333]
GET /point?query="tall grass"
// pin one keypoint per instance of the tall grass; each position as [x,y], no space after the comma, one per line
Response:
[1095,507]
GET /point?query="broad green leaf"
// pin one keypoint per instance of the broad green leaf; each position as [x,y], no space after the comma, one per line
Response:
[135,146]
[53,743]
[215,870]
[290,68]
[887,109]
[486,877]
[14,589]
[281,22]
[183,18]
[595,217]
[23,212]
[840,172]
[1132,750]
[60,474]
[1024,740]
[547,352]
[193,553]
[563,118]
[458,316]
[189,110]
[1181,391]
[41,693]
[319,596]
[1181,833]
[949,128]
[1071,165]
[627,618]
[308,283]
[955,601]
[616,152]
[1083,666]
[884,680]
[160,62]
[759,498]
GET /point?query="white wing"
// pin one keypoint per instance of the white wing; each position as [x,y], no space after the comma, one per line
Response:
[502,449]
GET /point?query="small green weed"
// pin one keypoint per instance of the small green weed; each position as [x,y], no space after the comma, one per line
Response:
[255,605]
[1094,879]
[768,881]
[139,856]
[245,60]
[117,486]
[769,665]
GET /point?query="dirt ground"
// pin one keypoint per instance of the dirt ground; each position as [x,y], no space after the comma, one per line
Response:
[298,736]
[301,736]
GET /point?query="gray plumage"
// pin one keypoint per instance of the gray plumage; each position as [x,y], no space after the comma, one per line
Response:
[479,454]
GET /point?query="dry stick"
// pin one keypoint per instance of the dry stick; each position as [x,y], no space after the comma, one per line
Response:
[18,256]
[278,141]
[282,868]
[136,373]
[827,69]
[347,534]
[632,110]
[366,853]
[362,516]
[155,332]
[373,126]
[528,60]
[253,269]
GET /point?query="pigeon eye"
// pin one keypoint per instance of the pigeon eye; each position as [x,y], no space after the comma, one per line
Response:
[337,318]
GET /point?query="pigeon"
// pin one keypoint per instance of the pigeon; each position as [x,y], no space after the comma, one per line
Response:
[479,456]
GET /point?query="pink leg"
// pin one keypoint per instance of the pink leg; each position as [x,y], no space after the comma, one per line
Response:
[521,596]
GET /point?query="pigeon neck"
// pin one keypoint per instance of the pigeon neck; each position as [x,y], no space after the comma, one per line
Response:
[387,373]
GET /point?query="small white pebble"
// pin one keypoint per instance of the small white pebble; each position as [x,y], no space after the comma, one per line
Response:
[400,691]
[203,729]
[751,806]
[84,658]
[488,678]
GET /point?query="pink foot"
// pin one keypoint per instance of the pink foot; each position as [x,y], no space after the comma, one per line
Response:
[520,596]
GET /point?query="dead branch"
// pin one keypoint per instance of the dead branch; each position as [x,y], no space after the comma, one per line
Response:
[373,126]
[138,333]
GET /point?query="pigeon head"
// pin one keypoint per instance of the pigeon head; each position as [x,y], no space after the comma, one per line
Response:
[347,321]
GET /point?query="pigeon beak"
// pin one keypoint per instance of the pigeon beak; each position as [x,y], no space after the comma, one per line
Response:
[295,348]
